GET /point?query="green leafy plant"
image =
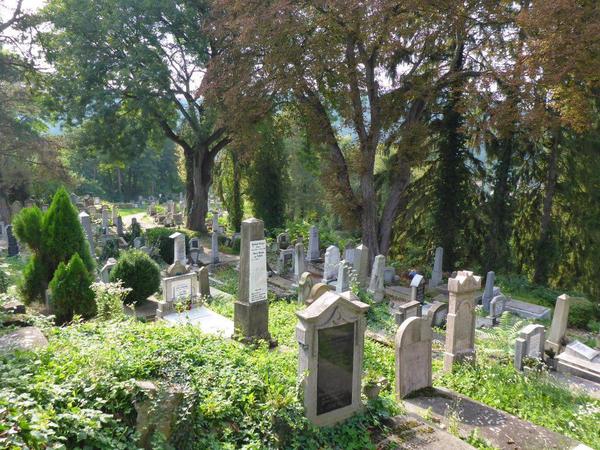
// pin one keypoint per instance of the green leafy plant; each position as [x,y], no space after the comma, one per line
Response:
[3,282]
[139,273]
[71,293]
[109,299]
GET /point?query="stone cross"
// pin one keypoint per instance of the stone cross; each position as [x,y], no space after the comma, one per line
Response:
[530,343]
[460,330]
[305,285]
[559,323]
[413,356]
[314,253]
[331,336]
[86,224]
[332,261]
[179,253]
[343,277]
[376,287]
[488,293]
[298,261]
[436,273]
[13,245]
[214,255]
[251,309]
[361,263]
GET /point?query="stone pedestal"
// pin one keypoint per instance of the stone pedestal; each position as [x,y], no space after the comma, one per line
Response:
[251,309]
[460,330]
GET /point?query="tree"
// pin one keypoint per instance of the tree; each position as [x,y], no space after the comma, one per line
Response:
[118,59]
[53,237]
[331,59]
[71,292]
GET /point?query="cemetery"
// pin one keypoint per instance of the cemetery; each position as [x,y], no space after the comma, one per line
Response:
[299,225]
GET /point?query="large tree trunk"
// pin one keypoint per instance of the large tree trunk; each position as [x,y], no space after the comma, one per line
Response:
[199,163]
[542,257]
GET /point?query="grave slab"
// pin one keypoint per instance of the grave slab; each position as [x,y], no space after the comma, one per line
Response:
[527,310]
[208,321]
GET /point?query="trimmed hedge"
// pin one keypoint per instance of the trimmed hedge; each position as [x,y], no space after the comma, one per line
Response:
[139,272]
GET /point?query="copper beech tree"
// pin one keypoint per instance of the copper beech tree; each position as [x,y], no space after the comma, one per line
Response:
[371,68]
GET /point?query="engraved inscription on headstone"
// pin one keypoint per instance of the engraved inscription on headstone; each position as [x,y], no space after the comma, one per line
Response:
[258,271]
[335,367]
[181,289]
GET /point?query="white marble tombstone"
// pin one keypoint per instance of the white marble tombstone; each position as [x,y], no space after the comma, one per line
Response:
[313,244]
[179,253]
[343,277]
[332,261]
[298,261]
[376,287]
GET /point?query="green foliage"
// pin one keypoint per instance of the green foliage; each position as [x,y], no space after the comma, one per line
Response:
[27,227]
[139,273]
[109,299]
[71,292]
[110,249]
[267,178]
[159,238]
[4,283]
[581,311]
[33,284]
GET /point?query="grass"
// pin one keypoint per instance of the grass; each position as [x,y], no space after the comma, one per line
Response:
[129,211]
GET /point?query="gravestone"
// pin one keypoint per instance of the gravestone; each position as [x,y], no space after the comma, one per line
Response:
[488,293]
[194,256]
[215,222]
[330,334]
[497,307]
[285,260]
[376,285]
[105,217]
[460,329]
[298,261]
[179,253]
[115,214]
[138,242]
[2,231]
[86,224]
[582,351]
[106,269]
[413,356]
[214,248]
[331,265]
[120,226]
[405,311]
[361,259]
[314,253]
[388,275]
[437,314]
[194,243]
[13,245]
[317,290]
[559,323]
[283,241]
[417,288]
[251,309]
[180,285]
[305,285]
[343,278]
[203,282]
[350,255]
[530,343]
[436,273]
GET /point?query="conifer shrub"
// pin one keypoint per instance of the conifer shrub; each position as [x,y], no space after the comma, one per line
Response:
[53,237]
[71,292]
[139,272]
[159,238]
[3,282]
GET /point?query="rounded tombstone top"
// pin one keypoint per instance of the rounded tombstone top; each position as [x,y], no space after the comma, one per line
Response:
[317,291]
[464,281]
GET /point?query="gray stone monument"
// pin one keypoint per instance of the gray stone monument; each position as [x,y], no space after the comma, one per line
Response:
[488,293]
[305,285]
[530,343]
[105,217]
[417,288]
[105,271]
[437,314]
[115,214]
[120,226]
[413,356]
[376,285]
[330,335]
[179,253]
[13,245]
[314,253]
[251,309]
[436,273]
[332,261]
[298,261]
[361,264]
[460,330]
[405,311]
[558,328]
[343,277]
[214,253]
[203,283]
[86,224]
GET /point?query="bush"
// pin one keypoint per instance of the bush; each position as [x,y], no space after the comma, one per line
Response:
[3,282]
[138,272]
[71,292]
[159,238]
[581,311]
[109,299]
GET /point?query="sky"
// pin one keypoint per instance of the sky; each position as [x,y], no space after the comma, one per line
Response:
[8,6]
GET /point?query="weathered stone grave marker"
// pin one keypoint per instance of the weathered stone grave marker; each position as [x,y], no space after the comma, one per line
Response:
[362,264]
[343,277]
[413,356]
[332,261]
[376,285]
[330,334]
[558,328]
[13,244]
[436,273]
[417,289]
[314,253]
[179,253]
[86,224]
[305,285]
[530,343]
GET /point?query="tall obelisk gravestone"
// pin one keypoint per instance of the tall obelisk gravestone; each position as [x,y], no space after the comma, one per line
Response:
[251,309]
